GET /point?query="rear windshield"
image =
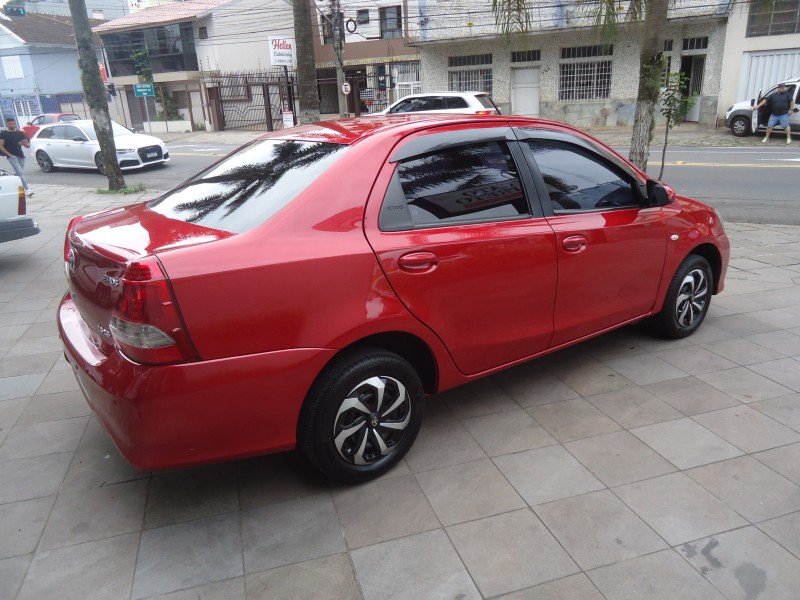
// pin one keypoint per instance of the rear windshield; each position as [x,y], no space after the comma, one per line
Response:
[485,100]
[249,186]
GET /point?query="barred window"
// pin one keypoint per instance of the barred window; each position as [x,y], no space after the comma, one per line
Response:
[526,56]
[470,80]
[585,80]
[696,43]
[773,18]
[587,51]
[469,61]
[391,22]
[202,33]
[667,45]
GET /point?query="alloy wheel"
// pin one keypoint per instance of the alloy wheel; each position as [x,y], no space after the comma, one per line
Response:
[692,298]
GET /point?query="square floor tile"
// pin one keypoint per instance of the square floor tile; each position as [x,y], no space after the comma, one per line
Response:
[32,477]
[645,368]
[92,571]
[695,360]
[20,386]
[191,494]
[685,443]
[510,552]
[572,420]
[482,397]
[691,396]
[419,566]
[784,530]
[745,385]
[441,445]
[784,342]
[584,374]
[383,510]
[290,532]
[785,371]
[574,587]
[677,508]
[785,409]
[12,571]
[597,529]
[277,478]
[617,458]
[333,574]
[754,491]
[21,525]
[747,429]
[188,554]
[530,385]
[660,576]
[37,439]
[467,492]
[746,564]
[634,407]
[741,351]
[546,474]
[508,432]
[784,460]
[54,407]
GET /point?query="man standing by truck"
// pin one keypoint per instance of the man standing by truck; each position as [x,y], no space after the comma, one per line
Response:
[780,104]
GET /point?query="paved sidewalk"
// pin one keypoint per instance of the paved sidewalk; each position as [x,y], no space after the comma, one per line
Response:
[625,467]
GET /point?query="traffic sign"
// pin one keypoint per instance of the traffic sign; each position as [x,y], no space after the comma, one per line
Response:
[143,89]
[346,88]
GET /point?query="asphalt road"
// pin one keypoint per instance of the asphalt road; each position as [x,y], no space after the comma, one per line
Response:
[752,184]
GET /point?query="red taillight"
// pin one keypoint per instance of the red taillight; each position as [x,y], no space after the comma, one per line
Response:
[145,322]
[21,205]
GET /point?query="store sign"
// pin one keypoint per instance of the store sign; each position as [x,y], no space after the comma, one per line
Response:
[281,51]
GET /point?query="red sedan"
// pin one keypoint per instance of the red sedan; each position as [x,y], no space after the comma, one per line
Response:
[33,125]
[311,288]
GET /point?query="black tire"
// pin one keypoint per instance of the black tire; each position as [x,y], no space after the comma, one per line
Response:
[98,160]
[45,162]
[345,398]
[688,298]
[740,126]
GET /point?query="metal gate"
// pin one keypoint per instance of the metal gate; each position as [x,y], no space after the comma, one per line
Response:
[252,100]
[376,86]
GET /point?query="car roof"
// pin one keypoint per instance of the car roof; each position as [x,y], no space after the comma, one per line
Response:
[76,122]
[423,94]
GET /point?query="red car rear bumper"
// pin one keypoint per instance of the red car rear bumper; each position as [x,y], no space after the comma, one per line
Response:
[176,415]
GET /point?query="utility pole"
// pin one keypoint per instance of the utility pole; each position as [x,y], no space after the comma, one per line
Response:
[338,51]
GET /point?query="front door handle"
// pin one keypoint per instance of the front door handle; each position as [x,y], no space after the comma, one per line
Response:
[574,243]
[418,262]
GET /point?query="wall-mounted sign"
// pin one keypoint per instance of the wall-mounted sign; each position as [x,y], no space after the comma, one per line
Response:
[281,51]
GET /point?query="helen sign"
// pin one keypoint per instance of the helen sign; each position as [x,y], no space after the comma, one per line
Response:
[281,51]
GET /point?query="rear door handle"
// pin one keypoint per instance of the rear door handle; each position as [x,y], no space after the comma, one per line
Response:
[574,243]
[418,262]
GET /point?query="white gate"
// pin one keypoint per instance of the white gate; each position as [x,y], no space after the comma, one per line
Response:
[525,92]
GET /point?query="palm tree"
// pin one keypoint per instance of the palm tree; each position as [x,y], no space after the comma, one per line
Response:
[512,16]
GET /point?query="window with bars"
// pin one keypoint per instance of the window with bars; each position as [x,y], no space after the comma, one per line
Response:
[25,109]
[526,56]
[587,51]
[695,43]
[585,80]
[469,61]
[667,45]
[777,17]
[202,33]
[391,22]
[362,16]
[470,80]
[12,67]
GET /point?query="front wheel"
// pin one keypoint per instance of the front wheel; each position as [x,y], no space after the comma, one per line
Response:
[361,416]
[45,162]
[98,160]
[740,126]
[688,299]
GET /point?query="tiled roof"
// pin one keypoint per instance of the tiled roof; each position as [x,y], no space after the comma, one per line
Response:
[155,15]
[35,28]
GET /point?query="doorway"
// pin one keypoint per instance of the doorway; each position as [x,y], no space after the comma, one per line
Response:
[693,67]
[525,92]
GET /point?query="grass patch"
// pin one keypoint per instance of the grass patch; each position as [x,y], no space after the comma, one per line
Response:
[139,187]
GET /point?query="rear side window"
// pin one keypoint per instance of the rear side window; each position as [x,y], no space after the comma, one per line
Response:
[468,183]
[249,186]
[45,133]
[485,101]
[456,102]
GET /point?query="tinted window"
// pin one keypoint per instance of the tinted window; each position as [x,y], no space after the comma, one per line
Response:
[433,103]
[250,186]
[485,101]
[59,132]
[46,133]
[404,106]
[456,102]
[577,179]
[70,118]
[71,133]
[466,183]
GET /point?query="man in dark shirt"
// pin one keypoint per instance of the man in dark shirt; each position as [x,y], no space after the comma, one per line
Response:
[12,140]
[780,104]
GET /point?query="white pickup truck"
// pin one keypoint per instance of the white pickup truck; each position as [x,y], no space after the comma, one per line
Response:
[14,222]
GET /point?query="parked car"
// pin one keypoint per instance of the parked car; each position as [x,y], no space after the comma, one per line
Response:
[740,117]
[14,222]
[75,145]
[468,103]
[309,289]
[33,125]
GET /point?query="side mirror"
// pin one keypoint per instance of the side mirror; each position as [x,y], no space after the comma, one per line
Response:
[752,102]
[657,194]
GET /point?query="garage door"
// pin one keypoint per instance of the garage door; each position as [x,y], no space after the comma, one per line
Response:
[763,69]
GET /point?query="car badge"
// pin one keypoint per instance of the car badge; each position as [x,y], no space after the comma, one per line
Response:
[71,260]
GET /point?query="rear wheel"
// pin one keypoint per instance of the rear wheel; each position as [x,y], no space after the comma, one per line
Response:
[98,160]
[740,126]
[688,299]
[362,415]
[45,162]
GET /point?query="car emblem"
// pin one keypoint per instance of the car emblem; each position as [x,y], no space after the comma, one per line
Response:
[374,420]
[104,331]
[111,281]
[71,260]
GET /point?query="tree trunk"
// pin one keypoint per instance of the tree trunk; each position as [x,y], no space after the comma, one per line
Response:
[307,93]
[664,152]
[95,92]
[650,66]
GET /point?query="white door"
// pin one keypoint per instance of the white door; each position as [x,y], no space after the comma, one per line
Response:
[525,92]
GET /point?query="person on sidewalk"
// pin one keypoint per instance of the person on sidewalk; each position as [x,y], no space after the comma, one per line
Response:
[781,103]
[12,140]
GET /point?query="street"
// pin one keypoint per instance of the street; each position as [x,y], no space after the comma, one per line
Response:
[750,184]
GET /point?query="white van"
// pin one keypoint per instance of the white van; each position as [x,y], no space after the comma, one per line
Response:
[741,116]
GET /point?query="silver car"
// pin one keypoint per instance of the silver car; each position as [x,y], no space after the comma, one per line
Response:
[470,103]
[75,145]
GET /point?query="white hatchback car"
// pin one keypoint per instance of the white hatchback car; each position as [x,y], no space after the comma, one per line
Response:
[470,103]
[15,224]
[75,145]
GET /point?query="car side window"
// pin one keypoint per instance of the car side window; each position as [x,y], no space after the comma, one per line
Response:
[577,179]
[47,119]
[404,106]
[45,133]
[466,183]
[456,102]
[71,133]
[38,121]
[59,132]
[433,103]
